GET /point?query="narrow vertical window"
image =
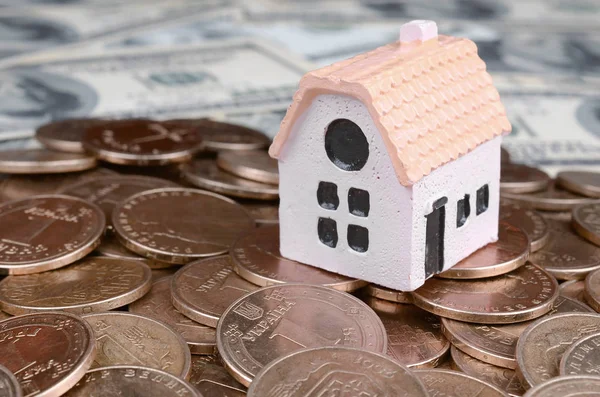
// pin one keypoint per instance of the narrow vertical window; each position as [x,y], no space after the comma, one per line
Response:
[483,199]
[327,229]
[327,195]
[463,210]
[358,238]
[358,202]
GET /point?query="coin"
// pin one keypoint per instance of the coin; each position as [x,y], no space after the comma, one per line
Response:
[275,321]
[157,304]
[263,212]
[65,135]
[385,293]
[157,274]
[519,178]
[9,385]
[131,381]
[591,292]
[508,253]
[112,248]
[48,352]
[108,192]
[256,258]
[131,339]
[527,219]
[4,316]
[523,294]
[47,232]
[415,338]
[497,344]
[255,165]
[205,174]
[567,386]
[552,198]
[43,161]
[573,289]
[89,285]
[219,136]
[204,289]
[327,370]
[212,379]
[503,378]
[504,156]
[586,222]
[176,225]
[447,383]
[542,344]
[142,142]
[581,182]
[582,358]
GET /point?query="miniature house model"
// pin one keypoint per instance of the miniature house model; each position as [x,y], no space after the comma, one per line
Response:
[389,162]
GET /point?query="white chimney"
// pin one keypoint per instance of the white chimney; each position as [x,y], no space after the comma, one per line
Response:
[419,30]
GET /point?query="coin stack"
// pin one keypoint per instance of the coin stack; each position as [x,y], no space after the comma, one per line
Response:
[122,277]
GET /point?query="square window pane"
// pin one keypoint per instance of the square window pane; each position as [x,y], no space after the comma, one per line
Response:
[358,238]
[327,229]
[327,195]
[358,202]
[483,199]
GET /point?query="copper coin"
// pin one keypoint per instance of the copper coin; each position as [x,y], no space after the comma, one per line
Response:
[275,321]
[573,289]
[385,293]
[204,289]
[592,290]
[205,174]
[529,220]
[552,198]
[567,386]
[519,178]
[336,371]
[263,212]
[65,135]
[586,222]
[112,248]
[256,258]
[88,285]
[9,385]
[415,338]
[157,304]
[126,381]
[523,294]
[157,274]
[219,136]
[43,161]
[4,316]
[108,192]
[504,156]
[508,253]
[582,358]
[543,343]
[255,165]
[581,182]
[503,378]
[497,344]
[131,339]
[212,379]
[47,352]
[142,142]
[442,382]
[177,225]
[47,232]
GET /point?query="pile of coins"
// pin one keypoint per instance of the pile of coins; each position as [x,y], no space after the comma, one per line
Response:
[142,258]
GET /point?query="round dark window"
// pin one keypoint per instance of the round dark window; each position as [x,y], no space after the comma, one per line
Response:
[346,145]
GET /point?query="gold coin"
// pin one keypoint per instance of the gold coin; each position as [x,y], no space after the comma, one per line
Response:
[591,292]
[255,165]
[531,221]
[256,258]
[47,232]
[9,385]
[263,212]
[157,304]
[581,182]
[212,379]
[205,174]
[542,344]
[586,222]
[43,161]
[497,344]
[385,293]
[519,178]
[505,255]
[131,339]
[523,294]
[552,198]
[126,381]
[582,358]
[89,285]
[567,386]
[573,289]
[503,378]
[275,321]
[447,383]
[177,225]
[112,248]
[203,290]
[415,338]
[65,135]
[329,370]
[48,352]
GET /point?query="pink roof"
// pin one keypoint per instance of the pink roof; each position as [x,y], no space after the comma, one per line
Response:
[432,102]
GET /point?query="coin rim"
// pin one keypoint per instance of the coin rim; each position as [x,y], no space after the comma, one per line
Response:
[44,135]
[538,389]
[581,189]
[16,167]
[527,186]
[549,203]
[592,301]
[244,171]
[387,294]
[580,227]
[460,374]
[16,386]
[562,366]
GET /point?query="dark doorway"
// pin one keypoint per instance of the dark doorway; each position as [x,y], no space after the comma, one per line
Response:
[434,244]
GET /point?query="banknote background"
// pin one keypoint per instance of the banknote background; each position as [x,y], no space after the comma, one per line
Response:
[240,61]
